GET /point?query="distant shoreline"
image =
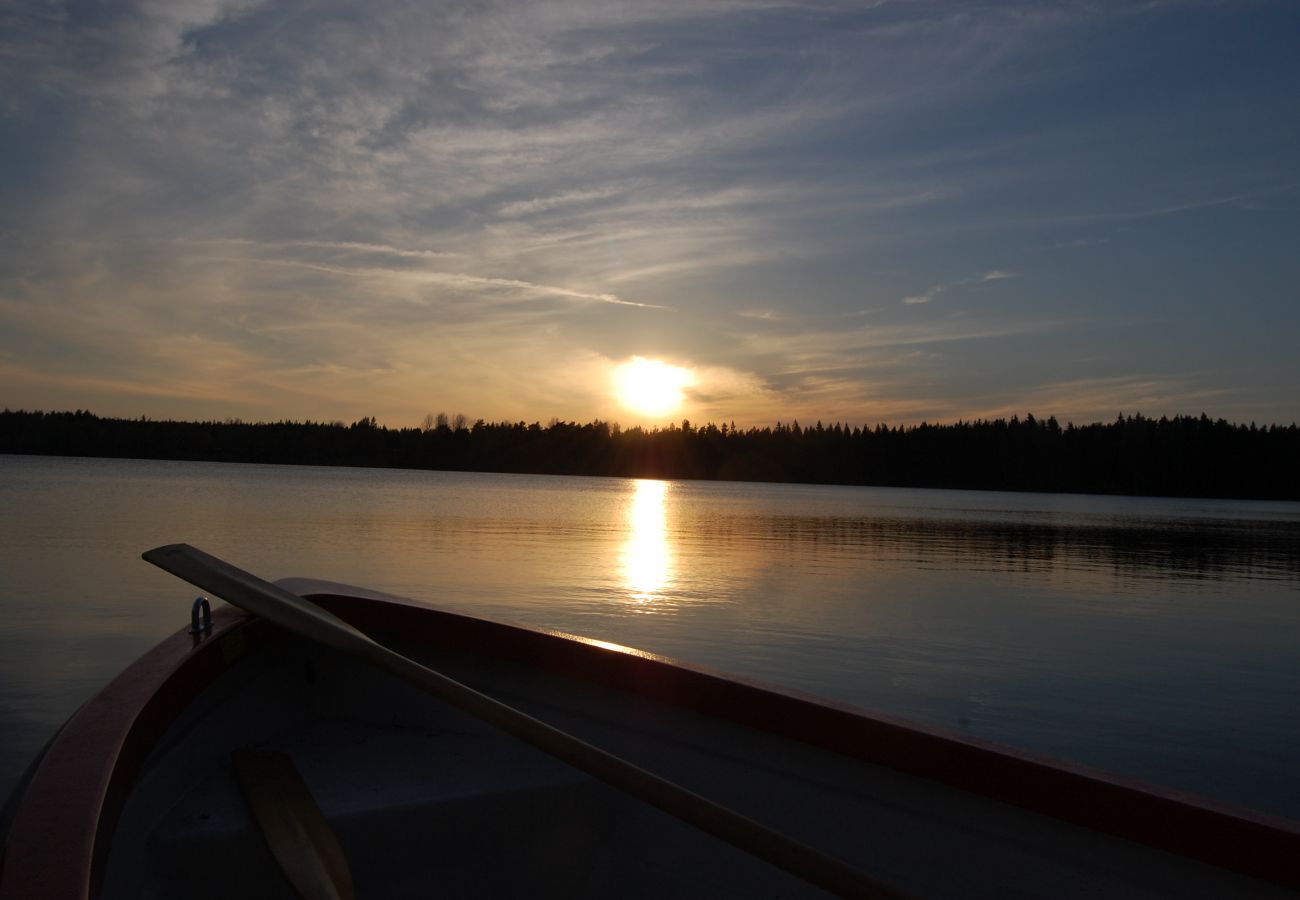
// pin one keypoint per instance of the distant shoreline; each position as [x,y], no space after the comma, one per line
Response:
[1184,456]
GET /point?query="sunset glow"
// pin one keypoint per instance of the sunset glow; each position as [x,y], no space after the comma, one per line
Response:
[650,387]
[913,212]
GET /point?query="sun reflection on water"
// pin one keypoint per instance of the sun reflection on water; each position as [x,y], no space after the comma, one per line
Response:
[647,557]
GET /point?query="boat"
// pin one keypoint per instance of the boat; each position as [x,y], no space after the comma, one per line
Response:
[321,740]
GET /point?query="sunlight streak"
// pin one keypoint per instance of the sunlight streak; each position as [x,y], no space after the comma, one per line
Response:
[647,557]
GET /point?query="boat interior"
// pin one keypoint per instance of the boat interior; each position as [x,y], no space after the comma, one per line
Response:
[427,801]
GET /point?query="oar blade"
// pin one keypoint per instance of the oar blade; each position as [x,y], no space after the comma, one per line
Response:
[295,829]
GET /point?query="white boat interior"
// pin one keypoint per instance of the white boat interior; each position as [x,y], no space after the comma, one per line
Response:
[427,801]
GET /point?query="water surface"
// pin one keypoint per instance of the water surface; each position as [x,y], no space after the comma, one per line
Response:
[1158,639]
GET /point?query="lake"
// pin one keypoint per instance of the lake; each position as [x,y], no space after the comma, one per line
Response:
[1153,638]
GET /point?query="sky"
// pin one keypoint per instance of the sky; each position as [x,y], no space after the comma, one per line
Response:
[920,210]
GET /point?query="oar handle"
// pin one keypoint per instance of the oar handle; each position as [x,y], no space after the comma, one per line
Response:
[298,615]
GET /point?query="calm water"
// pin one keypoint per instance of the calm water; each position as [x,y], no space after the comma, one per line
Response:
[1154,638]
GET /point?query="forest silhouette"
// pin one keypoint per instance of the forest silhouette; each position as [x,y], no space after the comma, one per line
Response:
[1183,456]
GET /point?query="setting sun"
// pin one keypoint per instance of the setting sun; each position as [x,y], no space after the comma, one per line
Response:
[651,387]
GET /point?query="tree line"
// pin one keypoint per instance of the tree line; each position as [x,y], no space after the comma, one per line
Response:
[1183,456]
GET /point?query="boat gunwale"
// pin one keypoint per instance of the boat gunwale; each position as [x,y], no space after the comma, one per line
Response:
[80,785]
[1179,822]
[56,843]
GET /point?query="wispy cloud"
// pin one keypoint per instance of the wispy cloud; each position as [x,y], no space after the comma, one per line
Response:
[1101,399]
[347,246]
[929,294]
[545,204]
[491,203]
[1080,242]
[460,280]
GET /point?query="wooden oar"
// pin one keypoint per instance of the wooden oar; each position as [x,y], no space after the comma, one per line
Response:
[292,612]
[300,839]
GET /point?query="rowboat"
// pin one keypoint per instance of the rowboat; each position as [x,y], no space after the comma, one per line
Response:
[319,740]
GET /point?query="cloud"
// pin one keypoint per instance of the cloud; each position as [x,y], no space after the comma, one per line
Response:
[545,204]
[459,280]
[406,204]
[1102,398]
[928,295]
[349,246]
[1080,242]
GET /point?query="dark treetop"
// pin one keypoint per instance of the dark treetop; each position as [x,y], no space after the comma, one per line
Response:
[1183,456]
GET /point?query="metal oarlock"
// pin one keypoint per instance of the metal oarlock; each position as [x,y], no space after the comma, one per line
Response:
[200,605]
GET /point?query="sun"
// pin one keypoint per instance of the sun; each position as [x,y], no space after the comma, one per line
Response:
[651,387]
